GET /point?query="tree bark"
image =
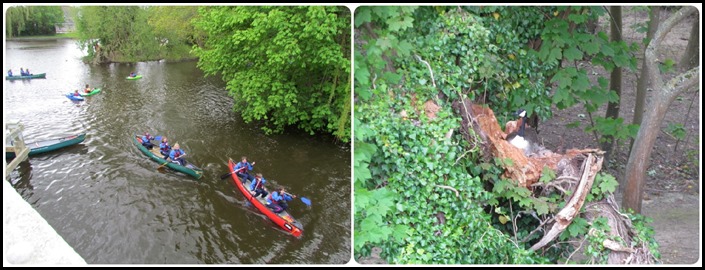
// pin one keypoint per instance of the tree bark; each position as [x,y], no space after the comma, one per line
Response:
[691,56]
[615,80]
[643,82]
[638,163]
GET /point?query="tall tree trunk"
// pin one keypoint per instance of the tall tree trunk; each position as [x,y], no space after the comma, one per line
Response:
[615,80]
[643,82]
[691,56]
[638,163]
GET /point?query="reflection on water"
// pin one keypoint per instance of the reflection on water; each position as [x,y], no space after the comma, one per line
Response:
[109,201]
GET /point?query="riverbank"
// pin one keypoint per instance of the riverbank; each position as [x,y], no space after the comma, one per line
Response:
[39,38]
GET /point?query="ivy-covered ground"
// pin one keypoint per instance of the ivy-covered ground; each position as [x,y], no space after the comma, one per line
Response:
[673,180]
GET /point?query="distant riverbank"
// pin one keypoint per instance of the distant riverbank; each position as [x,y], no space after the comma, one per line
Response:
[52,37]
[170,58]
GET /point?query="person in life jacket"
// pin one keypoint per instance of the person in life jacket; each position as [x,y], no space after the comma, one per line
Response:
[177,155]
[164,147]
[87,89]
[277,200]
[22,73]
[9,72]
[244,173]
[146,140]
[75,93]
[257,186]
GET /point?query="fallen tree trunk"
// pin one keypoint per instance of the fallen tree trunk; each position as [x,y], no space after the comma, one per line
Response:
[576,171]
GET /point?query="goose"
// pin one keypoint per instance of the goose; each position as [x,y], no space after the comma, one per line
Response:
[516,137]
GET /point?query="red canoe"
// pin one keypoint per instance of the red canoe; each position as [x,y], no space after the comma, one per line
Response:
[283,219]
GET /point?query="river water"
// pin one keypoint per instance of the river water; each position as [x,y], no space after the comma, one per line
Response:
[111,204]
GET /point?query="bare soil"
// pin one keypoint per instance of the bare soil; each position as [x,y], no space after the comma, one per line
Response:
[672,188]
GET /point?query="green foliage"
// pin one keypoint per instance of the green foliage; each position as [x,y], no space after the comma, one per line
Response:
[595,250]
[121,32]
[413,164]
[406,56]
[614,127]
[644,233]
[666,66]
[285,66]
[32,20]
[173,26]
[677,130]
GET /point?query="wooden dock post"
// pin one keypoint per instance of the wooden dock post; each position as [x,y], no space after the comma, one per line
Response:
[17,145]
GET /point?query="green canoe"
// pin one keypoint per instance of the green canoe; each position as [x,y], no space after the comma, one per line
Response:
[50,145]
[154,154]
[95,91]
[33,76]
[134,78]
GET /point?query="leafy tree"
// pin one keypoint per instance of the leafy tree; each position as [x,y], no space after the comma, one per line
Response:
[174,28]
[32,20]
[116,33]
[286,66]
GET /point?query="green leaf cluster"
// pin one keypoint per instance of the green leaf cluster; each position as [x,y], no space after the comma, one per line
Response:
[32,20]
[121,33]
[284,66]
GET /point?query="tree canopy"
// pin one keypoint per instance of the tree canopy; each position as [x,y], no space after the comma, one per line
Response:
[285,66]
[32,20]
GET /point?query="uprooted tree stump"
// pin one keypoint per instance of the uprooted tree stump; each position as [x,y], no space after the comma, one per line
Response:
[575,169]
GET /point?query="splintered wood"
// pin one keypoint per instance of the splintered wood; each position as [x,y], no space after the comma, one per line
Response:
[576,170]
[526,170]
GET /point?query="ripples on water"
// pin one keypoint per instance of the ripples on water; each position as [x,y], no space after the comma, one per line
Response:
[108,201]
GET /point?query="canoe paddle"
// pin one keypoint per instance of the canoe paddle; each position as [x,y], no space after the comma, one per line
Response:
[305,200]
[160,166]
[222,177]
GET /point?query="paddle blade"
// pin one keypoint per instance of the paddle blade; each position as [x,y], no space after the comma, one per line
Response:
[306,201]
[158,138]
[222,177]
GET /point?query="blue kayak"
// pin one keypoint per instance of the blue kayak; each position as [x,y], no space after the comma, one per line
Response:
[76,98]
